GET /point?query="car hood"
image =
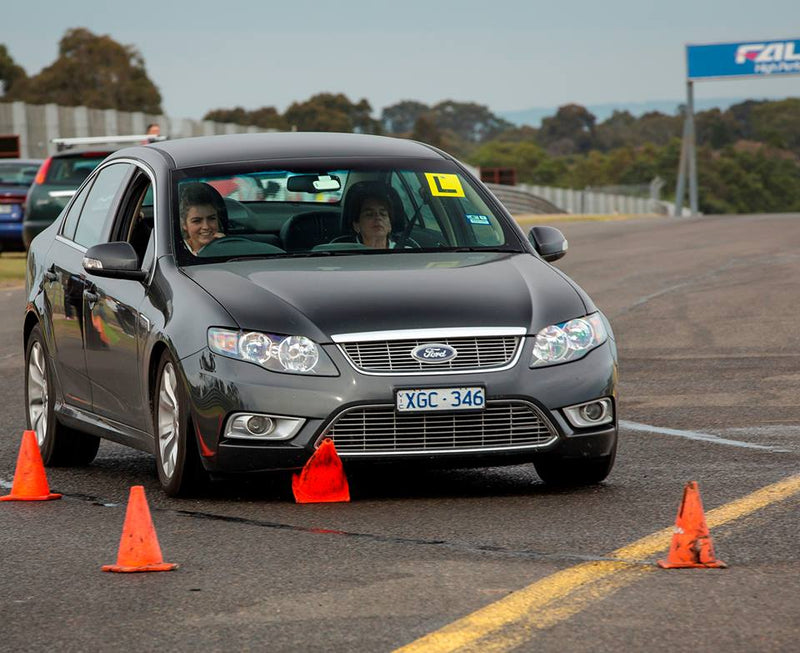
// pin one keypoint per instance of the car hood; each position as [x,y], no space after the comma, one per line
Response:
[320,297]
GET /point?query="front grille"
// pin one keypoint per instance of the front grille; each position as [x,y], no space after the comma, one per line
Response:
[392,356]
[381,430]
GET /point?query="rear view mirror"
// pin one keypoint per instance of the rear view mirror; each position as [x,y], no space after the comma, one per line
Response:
[313,183]
[549,242]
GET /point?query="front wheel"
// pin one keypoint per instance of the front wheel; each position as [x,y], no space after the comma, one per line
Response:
[574,472]
[180,471]
[59,444]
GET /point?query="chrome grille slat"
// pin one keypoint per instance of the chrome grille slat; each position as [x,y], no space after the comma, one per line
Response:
[368,430]
[474,354]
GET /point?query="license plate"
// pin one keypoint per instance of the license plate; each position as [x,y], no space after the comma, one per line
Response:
[433,399]
[6,208]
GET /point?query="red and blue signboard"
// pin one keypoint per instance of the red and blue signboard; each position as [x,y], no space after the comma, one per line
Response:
[743,59]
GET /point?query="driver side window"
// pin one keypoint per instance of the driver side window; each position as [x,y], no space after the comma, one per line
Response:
[135,219]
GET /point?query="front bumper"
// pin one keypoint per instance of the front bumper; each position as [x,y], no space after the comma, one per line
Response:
[219,386]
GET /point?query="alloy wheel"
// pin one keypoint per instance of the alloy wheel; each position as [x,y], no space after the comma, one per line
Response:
[37,392]
[168,420]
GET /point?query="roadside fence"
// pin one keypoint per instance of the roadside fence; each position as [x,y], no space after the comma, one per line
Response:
[38,124]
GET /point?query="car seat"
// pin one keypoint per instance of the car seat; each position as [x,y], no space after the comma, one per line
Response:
[306,230]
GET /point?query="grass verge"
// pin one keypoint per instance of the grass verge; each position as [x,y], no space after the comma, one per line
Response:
[12,268]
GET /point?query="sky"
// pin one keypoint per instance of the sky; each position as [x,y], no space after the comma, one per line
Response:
[509,55]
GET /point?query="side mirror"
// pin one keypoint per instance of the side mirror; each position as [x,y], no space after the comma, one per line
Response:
[549,242]
[113,260]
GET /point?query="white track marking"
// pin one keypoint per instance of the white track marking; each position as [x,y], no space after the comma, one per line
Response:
[694,435]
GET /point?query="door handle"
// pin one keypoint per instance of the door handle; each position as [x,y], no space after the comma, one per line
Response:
[90,296]
[50,275]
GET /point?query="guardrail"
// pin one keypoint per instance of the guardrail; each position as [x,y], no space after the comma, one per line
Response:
[527,198]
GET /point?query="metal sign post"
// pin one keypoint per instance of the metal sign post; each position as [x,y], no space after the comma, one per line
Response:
[725,61]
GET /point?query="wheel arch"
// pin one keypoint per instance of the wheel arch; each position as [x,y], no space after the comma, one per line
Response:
[31,320]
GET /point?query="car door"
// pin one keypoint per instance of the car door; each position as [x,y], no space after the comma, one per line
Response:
[115,328]
[63,286]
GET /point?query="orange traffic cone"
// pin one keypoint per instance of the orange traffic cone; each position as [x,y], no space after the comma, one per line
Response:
[322,480]
[691,544]
[138,548]
[30,481]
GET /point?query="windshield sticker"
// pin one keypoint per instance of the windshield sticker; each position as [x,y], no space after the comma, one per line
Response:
[443,185]
[478,219]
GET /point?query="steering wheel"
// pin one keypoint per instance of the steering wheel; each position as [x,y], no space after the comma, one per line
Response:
[222,242]
[406,242]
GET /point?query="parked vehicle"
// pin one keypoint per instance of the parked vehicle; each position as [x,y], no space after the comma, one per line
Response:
[61,174]
[16,176]
[235,333]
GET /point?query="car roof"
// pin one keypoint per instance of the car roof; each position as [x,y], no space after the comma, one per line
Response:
[231,148]
[23,161]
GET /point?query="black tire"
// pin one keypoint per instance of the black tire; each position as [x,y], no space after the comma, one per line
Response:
[182,474]
[60,445]
[574,472]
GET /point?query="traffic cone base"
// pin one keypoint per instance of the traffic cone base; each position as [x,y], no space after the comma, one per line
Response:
[322,480]
[691,545]
[122,569]
[138,548]
[44,497]
[30,480]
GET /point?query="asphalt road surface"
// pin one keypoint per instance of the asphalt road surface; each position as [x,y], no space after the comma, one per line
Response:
[706,313]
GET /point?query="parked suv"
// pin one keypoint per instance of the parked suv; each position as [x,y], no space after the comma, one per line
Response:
[16,176]
[61,175]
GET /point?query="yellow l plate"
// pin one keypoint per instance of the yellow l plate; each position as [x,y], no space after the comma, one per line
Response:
[444,185]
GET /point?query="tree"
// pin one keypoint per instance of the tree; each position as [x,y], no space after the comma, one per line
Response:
[93,71]
[472,122]
[327,112]
[10,72]
[526,158]
[426,131]
[265,117]
[400,118]
[571,130]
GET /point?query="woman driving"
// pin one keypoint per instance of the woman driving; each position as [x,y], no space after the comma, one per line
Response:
[373,222]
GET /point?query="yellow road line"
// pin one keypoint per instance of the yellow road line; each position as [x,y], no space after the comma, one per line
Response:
[507,623]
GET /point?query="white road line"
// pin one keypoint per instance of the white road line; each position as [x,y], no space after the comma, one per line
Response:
[693,435]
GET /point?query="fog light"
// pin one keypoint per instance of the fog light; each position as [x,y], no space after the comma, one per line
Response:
[591,413]
[260,425]
[250,426]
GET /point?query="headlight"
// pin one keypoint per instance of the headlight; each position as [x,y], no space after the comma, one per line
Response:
[294,354]
[568,341]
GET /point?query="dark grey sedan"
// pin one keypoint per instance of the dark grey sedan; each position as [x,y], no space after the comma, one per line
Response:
[228,302]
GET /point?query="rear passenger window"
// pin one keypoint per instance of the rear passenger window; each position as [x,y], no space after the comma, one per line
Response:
[97,214]
[71,219]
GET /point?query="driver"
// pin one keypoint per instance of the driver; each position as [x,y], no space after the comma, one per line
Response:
[373,222]
[199,216]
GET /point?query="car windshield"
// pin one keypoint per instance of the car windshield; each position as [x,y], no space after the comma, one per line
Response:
[333,210]
[72,170]
[18,173]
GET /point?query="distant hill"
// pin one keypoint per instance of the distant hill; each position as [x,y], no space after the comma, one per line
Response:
[533,116]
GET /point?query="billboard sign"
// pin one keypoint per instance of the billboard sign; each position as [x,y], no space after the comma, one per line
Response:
[743,59]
